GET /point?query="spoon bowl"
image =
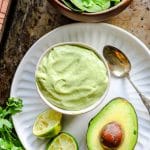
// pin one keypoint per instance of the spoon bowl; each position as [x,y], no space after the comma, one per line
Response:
[117,61]
[120,66]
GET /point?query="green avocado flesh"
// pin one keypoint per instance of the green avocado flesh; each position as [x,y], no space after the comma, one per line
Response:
[72,77]
[90,5]
[118,110]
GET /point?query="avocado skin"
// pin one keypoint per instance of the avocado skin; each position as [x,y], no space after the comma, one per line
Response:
[135,132]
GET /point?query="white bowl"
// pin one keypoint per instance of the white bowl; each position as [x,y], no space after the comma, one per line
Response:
[73,112]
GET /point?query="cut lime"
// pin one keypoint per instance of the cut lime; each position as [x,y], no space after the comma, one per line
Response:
[63,141]
[47,124]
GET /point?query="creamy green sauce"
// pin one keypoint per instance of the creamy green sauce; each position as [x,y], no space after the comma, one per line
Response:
[71,77]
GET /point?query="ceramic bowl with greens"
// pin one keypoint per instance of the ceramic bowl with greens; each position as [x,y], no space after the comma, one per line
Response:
[90,6]
[90,10]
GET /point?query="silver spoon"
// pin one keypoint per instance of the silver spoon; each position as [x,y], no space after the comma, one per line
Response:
[120,66]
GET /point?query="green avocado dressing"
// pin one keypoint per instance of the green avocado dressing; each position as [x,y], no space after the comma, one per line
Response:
[71,77]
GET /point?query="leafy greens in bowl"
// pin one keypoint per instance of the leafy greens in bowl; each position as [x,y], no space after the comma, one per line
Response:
[90,5]
[90,10]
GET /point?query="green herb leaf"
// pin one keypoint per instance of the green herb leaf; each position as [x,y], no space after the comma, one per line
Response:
[8,137]
[6,123]
[4,145]
[14,105]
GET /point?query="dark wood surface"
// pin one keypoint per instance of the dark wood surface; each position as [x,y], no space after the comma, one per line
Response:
[34,18]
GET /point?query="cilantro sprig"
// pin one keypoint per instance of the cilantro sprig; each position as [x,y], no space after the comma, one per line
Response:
[8,137]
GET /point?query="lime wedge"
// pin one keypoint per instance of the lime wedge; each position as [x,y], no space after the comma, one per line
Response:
[47,124]
[63,141]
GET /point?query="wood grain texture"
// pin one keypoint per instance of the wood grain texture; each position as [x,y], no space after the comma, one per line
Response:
[34,18]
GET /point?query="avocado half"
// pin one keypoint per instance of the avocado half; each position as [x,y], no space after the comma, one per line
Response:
[120,112]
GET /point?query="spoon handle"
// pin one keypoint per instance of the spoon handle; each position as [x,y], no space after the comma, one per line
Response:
[145,99]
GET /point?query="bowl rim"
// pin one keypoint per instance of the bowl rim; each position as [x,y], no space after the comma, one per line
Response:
[84,110]
[121,4]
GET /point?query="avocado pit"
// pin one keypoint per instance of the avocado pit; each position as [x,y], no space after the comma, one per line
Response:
[111,135]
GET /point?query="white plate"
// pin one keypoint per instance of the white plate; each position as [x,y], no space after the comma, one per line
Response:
[96,35]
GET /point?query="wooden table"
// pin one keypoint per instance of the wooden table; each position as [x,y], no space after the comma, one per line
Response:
[34,18]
